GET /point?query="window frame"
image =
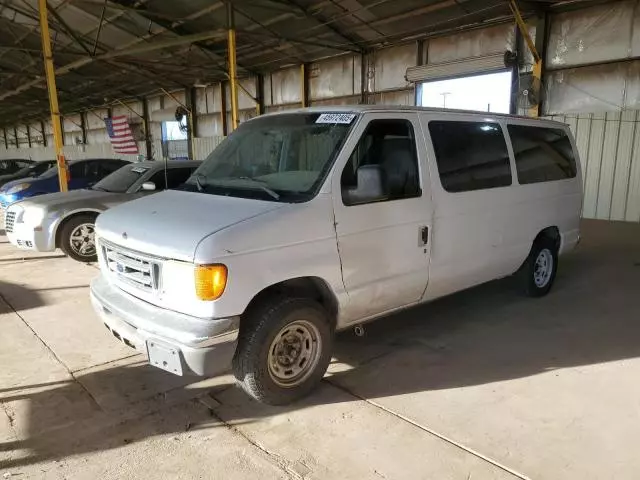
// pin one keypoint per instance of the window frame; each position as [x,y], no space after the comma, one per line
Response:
[542,124]
[467,118]
[360,132]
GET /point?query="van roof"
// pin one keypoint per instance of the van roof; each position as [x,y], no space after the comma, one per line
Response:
[403,108]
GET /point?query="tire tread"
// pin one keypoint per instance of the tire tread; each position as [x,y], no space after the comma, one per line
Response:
[260,322]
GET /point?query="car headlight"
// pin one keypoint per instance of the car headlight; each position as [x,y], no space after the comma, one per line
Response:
[18,188]
[33,216]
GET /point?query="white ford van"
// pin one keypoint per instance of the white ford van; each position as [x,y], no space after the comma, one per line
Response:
[306,222]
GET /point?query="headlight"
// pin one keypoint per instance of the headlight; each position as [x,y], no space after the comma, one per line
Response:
[18,188]
[211,281]
[33,216]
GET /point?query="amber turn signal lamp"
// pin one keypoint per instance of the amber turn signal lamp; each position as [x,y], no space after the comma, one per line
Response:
[211,281]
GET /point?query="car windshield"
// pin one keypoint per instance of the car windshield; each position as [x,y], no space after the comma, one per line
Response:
[278,158]
[52,172]
[34,169]
[122,179]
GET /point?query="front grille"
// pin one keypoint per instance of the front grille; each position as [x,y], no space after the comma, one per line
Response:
[9,220]
[131,268]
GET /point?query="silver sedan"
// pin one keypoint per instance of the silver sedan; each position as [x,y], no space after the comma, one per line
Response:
[66,219]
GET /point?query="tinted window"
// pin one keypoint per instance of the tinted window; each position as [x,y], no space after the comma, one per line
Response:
[78,170]
[109,166]
[158,179]
[542,154]
[122,179]
[470,155]
[389,144]
[175,177]
[40,167]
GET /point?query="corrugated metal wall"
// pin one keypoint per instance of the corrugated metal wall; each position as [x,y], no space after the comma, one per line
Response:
[609,146]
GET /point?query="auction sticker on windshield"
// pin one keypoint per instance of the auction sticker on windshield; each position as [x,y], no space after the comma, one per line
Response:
[344,118]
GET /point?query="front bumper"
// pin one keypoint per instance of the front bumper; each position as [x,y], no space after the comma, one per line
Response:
[205,346]
[29,237]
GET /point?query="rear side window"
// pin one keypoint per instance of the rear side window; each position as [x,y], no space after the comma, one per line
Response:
[470,155]
[542,154]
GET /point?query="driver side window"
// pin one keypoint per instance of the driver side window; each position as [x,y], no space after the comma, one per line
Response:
[383,165]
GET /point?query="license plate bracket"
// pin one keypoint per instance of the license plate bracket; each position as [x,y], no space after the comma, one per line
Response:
[164,356]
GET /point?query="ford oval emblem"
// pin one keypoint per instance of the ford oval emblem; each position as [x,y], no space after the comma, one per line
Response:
[124,235]
[120,267]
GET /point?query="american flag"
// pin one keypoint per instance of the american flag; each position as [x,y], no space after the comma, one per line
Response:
[120,134]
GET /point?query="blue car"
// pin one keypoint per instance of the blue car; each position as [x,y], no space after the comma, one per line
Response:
[83,174]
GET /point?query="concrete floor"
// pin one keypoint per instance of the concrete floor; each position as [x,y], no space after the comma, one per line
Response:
[485,384]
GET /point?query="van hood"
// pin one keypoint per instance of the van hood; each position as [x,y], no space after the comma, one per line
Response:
[171,224]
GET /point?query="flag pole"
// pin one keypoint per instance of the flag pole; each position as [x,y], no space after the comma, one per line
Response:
[53,95]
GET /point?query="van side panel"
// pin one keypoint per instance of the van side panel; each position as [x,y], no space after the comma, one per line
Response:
[468,226]
[487,234]
[541,205]
[295,241]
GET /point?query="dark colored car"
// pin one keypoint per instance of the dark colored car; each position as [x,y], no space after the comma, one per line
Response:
[83,174]
[11,165]
[30,170]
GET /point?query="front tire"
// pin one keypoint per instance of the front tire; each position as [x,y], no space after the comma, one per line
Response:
[538,272]
[77,238]
[284,350]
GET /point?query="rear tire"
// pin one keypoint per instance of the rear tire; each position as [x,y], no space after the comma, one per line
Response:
[77,238]
[538,272]
[284,350]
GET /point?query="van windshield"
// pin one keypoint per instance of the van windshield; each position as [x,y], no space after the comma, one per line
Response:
[281,158]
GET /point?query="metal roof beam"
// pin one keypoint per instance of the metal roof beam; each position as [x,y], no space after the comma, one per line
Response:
[68,29]
[134,50]
[352,40]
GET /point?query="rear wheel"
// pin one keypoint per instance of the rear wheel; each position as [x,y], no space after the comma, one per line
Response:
[77,238]
[539,270]
[284,350]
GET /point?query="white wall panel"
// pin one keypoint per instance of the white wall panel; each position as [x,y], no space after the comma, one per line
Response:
[632,210]
[608,165]
[592,35]
[204,146]
[334,78]
[588,89]
[137,107]
[609,147]
[285,86]
[390,66]
[624,156]
[95,120]
[347,100]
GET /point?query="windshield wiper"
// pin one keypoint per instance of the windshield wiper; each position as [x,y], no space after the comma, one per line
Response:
[201,182]
[262,186]
[100,189]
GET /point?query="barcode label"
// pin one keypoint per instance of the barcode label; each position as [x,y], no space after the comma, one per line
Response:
[345,118]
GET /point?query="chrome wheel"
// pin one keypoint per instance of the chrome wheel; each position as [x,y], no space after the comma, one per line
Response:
[82,240]
[294,353]
[543,268]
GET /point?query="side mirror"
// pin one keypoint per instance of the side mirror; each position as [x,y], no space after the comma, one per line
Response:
[370,187]
[148,186]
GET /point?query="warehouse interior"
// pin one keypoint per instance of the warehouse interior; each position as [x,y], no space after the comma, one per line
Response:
[151,60]
[482,384]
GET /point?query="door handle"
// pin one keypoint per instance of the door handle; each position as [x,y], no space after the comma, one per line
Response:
[424,235]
